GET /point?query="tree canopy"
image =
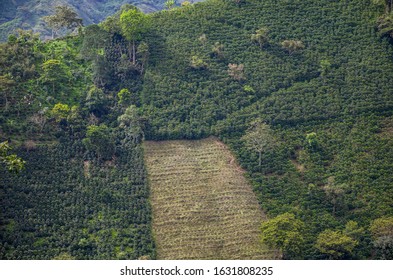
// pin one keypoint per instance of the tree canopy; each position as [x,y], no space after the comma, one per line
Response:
[382,233]
[12,162]
[327,109]
[133,24]
[98,139]
[64,17]
[261,36]
[284,232]
[335,244]
[258,138]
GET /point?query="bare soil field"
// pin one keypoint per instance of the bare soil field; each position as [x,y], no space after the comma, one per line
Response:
[203,207]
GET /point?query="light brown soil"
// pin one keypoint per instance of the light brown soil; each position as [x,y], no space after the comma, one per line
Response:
[203,207]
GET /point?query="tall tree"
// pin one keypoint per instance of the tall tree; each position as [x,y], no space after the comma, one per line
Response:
[334,193]
[99,140]
[55,74]
[132,123]
[285,233]
[127,98]
[335,244]
[236,71]
[382,233]
[133,24]
[197,63]
[12,161]
[258,138]
[218,50]
[169,4]
[64,17]
[260,36]
[292,45]
[60,112]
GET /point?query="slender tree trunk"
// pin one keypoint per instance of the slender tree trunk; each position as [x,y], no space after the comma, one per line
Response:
[133,53]
[334,206]
[130,50]
[260,158]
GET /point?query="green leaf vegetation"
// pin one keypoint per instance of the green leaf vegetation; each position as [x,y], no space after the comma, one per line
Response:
[64,17]
[67,205]
[11,161]
[317,74]
[133,24]
[29,14]
[382,233]
[284,232]
[98,140]
[335,244]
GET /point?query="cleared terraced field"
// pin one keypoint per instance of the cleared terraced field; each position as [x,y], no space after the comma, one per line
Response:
[203,207]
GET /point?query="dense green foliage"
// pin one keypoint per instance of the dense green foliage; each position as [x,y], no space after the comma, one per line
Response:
[63,18]
[10,161]
[284,232]
[316,72]
[66,202]
[28,14]
[382,233]
[87,196]
[335,244]
[337,87]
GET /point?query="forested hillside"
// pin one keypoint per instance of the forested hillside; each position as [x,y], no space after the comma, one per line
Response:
[65,206]
[300,91]
[27,14]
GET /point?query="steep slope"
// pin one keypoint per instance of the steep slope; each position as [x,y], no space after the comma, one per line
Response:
[203,208]
[283,88]
[27,14]
[345,103]
[328,104]
[66,206]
